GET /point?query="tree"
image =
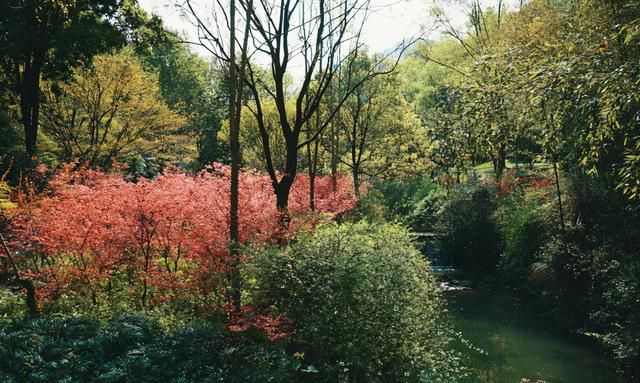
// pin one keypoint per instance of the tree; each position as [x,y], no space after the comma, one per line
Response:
[364,303]
[479,33]
[324,29]
[191,86]
[251,148]
[44,39]
[236,78]
[452,141]
[167,239]
[112,110]
[561,81]
[380,133]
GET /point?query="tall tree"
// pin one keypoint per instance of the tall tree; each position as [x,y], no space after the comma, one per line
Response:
[236,77]
[111,110]
[191,85]
[279,32]
[44,38]
[380,133]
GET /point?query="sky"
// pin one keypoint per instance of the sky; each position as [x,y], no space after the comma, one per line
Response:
[390,22]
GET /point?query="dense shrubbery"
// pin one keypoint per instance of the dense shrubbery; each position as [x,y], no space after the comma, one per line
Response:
[400,198]
[363,302]
[590,274]
[96,235]
[460,216]
[523,222]
[582,273]
[470,240]
[354,302]
[134,349]
[359,303]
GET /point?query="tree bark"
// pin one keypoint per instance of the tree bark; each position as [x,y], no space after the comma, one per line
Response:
[559,195]
[29,92]
[283,188]
[334,157]
[356,180]
[26,284]
[310,159]
[236,81]
[234,144]
[499,161]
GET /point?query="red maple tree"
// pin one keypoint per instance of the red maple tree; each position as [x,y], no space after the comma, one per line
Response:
[165,239]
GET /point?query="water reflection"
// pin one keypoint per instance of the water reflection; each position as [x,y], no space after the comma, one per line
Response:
[516,346]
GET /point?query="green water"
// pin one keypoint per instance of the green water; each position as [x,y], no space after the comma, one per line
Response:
[517,345]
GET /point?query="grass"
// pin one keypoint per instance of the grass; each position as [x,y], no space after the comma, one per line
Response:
[486,168]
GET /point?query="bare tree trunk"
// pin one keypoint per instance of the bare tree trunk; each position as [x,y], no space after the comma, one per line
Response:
[234,144]
[356,180]
[286,182]
[236,81]
[334,157]
[312,178]
[29,91]
[334,25]
[499,161]
[559,195]
[26,284]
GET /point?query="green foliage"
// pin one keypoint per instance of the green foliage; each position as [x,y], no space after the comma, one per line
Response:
[374,123]
[522,219]
[401,197]
[425,217]
[5,194]
[63,35]
[46,40]
[133,349]
[616,317]
[144,166]
[554,83]
[112,110]
[8,133]
[363,302]
[371,207]
[470,239]
[191,86]
[11,303]
[588,278]
[423,73]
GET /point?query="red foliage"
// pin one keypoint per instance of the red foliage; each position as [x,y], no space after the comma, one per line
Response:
[164,239]
[509,182]
[540,183]
[325,199]
[275,327]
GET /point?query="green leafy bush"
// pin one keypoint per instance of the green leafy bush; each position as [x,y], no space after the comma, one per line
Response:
[425,215]
[11,303]
[590,286]
[401,197]
[5,201]
[470,239]
[371,207]
[363,302]
[522,219]
[133,349]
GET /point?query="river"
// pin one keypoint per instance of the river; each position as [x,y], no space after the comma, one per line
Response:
[518,345]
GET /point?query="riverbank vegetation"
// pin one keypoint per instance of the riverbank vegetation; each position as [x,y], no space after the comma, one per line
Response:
[240,221]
